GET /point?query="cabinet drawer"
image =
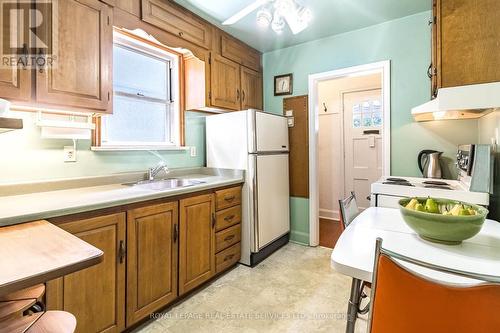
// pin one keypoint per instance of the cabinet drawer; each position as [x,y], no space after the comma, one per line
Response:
[227,198]
[228,257]
[178,21]
[227,218]
[228,237]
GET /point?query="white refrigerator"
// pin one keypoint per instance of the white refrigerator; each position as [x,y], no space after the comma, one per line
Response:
[256,142]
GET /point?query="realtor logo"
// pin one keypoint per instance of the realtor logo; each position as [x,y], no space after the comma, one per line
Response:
[29,31]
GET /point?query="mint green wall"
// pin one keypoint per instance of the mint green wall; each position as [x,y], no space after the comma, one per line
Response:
[406,42]
[24,156]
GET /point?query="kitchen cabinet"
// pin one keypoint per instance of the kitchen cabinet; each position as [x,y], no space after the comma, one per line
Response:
[130,6]
[81,41]
[225,83]
[197,241]
[95,295]
[152,239]
[178,21]
[240,53]
[233,86]
[251,89]
[465,43]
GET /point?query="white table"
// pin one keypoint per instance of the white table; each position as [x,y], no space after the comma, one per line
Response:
[354,252]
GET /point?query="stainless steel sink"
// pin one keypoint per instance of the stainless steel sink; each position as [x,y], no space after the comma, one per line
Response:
[165,184]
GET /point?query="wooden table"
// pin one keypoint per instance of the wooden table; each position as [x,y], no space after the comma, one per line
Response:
[354,252]
[36,252]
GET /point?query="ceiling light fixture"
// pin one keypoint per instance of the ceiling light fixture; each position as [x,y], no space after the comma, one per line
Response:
[281,13]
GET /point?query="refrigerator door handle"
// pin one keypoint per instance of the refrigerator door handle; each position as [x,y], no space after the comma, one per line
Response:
[254,203]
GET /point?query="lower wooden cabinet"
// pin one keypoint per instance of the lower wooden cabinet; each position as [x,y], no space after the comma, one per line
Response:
[152,234]
[197,241]
[152,255]
[95,295]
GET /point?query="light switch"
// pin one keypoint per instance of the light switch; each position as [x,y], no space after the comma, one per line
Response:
[291,122]
[289,113]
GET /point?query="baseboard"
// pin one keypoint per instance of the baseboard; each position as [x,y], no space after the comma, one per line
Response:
[299,237]
[329,214]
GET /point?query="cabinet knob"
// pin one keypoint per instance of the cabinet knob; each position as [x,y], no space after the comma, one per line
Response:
[229,218]
[122,252]
[228,238]
[231,198]
[181,34]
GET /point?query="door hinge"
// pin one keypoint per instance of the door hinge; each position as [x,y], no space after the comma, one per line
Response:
[176,233]
[213,220]
[122,252]
[210,95]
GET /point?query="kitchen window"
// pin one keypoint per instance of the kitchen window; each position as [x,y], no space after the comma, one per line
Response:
[145,99]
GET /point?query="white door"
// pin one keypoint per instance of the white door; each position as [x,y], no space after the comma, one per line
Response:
[363,143]
[273,216]
[271,133]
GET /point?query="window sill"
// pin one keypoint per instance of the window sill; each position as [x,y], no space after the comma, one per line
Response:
[138,148]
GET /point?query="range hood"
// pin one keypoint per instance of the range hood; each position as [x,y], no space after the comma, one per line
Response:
[464,102]
[9,124]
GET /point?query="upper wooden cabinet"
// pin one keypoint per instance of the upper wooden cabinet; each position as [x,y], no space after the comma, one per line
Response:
[236,51]
[178,21]
[95,295]
[152,238]
[251,89]
[225,83]
[197,241]
[466,44]
[81,74]
[130,6]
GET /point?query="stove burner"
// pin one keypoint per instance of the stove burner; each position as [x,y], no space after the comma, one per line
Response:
[441,187]
[405,183]
[435,182]
[397,180]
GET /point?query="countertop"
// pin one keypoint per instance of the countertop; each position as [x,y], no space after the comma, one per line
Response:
[36,252]
[65,197]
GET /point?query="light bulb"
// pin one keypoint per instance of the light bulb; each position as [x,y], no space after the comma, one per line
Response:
[278,24]
[264,18]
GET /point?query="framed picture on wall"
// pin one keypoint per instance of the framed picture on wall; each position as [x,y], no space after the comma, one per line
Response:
[283,85]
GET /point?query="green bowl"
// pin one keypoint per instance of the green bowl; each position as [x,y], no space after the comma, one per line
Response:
[444,229]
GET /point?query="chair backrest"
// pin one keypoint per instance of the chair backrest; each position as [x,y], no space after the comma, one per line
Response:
[403,301]
[348,210]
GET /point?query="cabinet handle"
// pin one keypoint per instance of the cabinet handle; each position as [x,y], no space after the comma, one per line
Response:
[40,54]
[243,95]
[229,257]
[213,220]
[228,238]
[238,94]
[229,218]
[429,71]
[122,252]
[176,233]
[25,54]
[181,34]
[229,199]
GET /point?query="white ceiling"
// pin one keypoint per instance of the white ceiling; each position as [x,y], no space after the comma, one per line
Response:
[331,17]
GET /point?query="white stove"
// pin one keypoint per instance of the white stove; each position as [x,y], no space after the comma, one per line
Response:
[389,190]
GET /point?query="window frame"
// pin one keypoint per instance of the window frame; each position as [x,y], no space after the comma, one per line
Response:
[154,49]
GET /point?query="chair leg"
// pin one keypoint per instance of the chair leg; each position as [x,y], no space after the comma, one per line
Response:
[352,309]
[363,295]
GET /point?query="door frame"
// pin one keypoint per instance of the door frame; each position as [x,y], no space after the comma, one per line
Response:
[383,67]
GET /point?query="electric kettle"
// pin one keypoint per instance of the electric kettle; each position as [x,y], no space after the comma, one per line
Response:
[429,164]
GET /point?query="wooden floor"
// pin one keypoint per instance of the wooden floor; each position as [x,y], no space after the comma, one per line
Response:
[329,232]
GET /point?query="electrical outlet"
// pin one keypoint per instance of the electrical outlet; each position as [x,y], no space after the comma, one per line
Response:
[69,154]
[193,151]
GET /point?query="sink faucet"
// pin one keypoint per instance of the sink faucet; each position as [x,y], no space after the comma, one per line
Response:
[152,172]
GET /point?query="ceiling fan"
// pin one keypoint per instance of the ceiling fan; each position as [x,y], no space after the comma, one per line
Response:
[276,13]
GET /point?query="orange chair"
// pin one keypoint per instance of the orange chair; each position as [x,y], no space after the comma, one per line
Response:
[403,301]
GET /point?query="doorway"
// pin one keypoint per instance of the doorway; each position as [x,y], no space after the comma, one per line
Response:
[349,139]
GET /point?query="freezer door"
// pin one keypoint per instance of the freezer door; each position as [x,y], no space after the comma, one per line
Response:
[273,198]
[270,133]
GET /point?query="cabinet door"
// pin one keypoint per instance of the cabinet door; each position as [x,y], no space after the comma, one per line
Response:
[197,241]
[177,20]
[95,295]
[251,89]
[15,81]
[225,83]
[82,42]
[236,51]
[151,259]
[468,46]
